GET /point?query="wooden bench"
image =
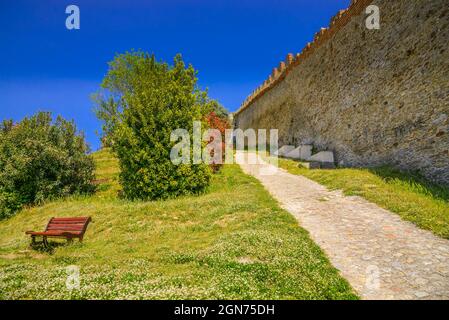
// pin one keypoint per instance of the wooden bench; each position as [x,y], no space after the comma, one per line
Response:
[68,228]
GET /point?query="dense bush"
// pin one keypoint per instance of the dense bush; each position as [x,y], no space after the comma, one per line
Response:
[41,159]
[147,100]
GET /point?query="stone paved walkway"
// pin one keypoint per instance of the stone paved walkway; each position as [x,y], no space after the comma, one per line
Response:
[382,256]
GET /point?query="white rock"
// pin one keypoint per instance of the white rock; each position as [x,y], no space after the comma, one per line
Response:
[294,154]
[284,150]
[303,152]
[306,151]
[323,156]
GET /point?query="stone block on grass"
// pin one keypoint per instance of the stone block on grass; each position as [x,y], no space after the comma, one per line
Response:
[310,165]
[323,156]
[284,150]
[303,152]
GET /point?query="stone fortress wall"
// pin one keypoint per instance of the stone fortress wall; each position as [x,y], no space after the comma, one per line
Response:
[374,97]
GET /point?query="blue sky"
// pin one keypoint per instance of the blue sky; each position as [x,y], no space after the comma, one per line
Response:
[233,44]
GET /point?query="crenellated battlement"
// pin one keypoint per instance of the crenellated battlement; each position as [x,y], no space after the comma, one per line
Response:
[291,61]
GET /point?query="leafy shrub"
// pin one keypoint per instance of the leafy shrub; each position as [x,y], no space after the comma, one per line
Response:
[39,160]
[146,101]
[10,203]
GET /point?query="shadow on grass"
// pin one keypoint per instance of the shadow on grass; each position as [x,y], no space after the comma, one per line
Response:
[52,245]
[413,181]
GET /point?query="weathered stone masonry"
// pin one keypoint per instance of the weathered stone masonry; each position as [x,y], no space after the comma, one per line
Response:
[372,96]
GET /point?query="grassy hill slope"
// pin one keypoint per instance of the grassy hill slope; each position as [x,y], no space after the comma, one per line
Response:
[233,242]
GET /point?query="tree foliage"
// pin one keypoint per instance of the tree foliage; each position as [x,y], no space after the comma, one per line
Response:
[41,159]
[218,111]
[146,100]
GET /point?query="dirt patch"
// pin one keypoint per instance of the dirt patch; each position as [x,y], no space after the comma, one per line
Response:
[100,181]
[23,254]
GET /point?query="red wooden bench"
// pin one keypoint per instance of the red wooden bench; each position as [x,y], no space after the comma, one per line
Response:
[68,228]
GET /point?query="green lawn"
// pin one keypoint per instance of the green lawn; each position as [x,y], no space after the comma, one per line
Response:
[407,194]
[234,242]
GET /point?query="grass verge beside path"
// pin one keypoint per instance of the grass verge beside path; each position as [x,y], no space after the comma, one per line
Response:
[234,242]
[409,195]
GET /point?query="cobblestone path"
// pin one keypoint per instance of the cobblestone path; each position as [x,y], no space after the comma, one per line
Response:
[382,256]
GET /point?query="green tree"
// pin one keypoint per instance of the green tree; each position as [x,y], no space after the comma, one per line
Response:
[145,101]
[41,159]
[218,110]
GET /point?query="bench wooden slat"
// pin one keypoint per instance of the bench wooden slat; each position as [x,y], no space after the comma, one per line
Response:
[66,224]
[69,219]
[54,233]
[64,227]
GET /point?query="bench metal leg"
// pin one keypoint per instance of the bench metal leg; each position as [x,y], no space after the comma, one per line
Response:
[45,242]
[33,240]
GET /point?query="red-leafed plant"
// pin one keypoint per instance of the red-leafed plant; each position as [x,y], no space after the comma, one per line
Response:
[221,123]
